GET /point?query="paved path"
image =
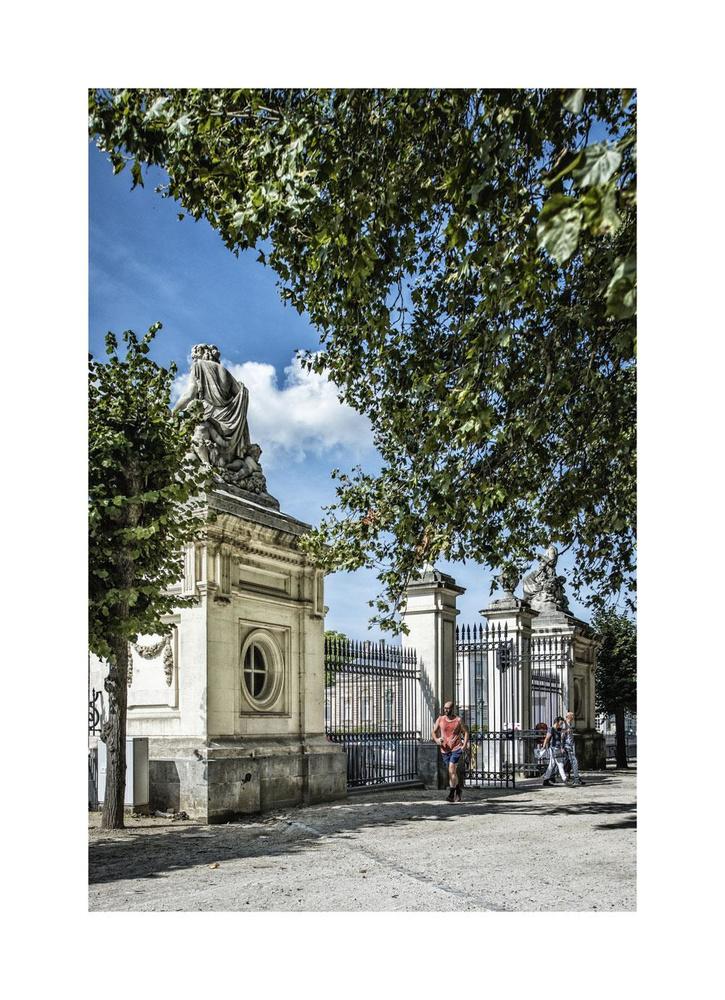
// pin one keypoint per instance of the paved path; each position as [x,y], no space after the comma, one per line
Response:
[530,849]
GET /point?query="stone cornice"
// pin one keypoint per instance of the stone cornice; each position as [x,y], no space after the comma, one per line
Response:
[261,541]
[226,503]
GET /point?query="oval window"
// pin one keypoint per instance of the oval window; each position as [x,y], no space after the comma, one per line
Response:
[256,671]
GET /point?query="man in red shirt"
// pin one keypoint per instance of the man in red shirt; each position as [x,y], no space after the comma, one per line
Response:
[451,735]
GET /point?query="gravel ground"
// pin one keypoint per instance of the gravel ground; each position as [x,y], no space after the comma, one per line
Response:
[530,849]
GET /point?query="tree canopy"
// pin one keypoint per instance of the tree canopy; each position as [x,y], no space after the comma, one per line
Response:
[616,678]
[616,681]
[141,484]
[468,258]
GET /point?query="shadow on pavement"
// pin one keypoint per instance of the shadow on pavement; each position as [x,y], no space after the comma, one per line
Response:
[152,852]
[625,824]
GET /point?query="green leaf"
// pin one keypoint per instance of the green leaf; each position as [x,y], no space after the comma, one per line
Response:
[558,228]
[599,208]
[622,289]
[505,115]
[182,125]
[136,174]
[598,163]
[573,100]
[156,109]
[563,166]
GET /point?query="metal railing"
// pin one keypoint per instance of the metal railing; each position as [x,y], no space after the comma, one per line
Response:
[95,712]
[371,708]
[509,688]
[611,747]
[93,778]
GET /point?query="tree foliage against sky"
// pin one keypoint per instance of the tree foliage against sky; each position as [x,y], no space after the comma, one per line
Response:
[616,681]
[141,481]
[468,258]
[616,676]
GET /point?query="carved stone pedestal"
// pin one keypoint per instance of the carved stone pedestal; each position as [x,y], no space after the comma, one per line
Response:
[233,702]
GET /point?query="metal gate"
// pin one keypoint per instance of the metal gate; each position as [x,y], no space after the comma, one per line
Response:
[371,708]
[509,689]
[95,719]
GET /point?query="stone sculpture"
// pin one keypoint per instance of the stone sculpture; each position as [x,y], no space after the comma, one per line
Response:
[543,589]
[221,439]
[507,580]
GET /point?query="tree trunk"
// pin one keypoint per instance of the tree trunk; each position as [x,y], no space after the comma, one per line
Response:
[114,736]
[116,684]
[621,737]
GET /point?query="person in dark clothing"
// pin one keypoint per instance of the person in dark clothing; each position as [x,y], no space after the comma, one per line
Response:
[554,743]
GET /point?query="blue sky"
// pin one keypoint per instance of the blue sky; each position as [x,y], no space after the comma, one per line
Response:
[145,265]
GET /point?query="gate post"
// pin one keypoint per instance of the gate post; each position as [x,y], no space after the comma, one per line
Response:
[514,617]
[430,613]
[578,692]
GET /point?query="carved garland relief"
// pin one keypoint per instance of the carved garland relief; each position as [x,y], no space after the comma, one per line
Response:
[165,646]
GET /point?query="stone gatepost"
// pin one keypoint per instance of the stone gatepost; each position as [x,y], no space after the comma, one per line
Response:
[545,591]
[579,681]
[430,613]
[513,617]
[232,702]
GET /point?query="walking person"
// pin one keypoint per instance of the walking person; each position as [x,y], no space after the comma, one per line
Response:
[570,749]
[554,743]
[451,735]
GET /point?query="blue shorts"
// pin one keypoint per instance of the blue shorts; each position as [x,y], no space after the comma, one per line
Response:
[452,756]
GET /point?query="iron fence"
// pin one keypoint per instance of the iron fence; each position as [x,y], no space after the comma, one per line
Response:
[550,661]
[93,778]
[371,708]
[509,689]
[95,711]
[606,724]
[611,747]
[95,721]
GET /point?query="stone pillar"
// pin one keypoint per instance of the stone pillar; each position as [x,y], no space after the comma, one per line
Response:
[232,703]
[514,618]
[579,681]
[546,592]
[430,613]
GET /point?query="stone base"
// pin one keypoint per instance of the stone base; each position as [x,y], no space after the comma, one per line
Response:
[555,619]
[226,779]
[591,750]
[265,499]
[431,769]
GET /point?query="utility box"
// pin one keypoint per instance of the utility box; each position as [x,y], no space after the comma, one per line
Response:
[137,773]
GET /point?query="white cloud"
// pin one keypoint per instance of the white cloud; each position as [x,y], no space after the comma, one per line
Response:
[179,386]
[304,416]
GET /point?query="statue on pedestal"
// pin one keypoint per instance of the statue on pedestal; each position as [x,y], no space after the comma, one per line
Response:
[221,439]
[507,579]
[543,589]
